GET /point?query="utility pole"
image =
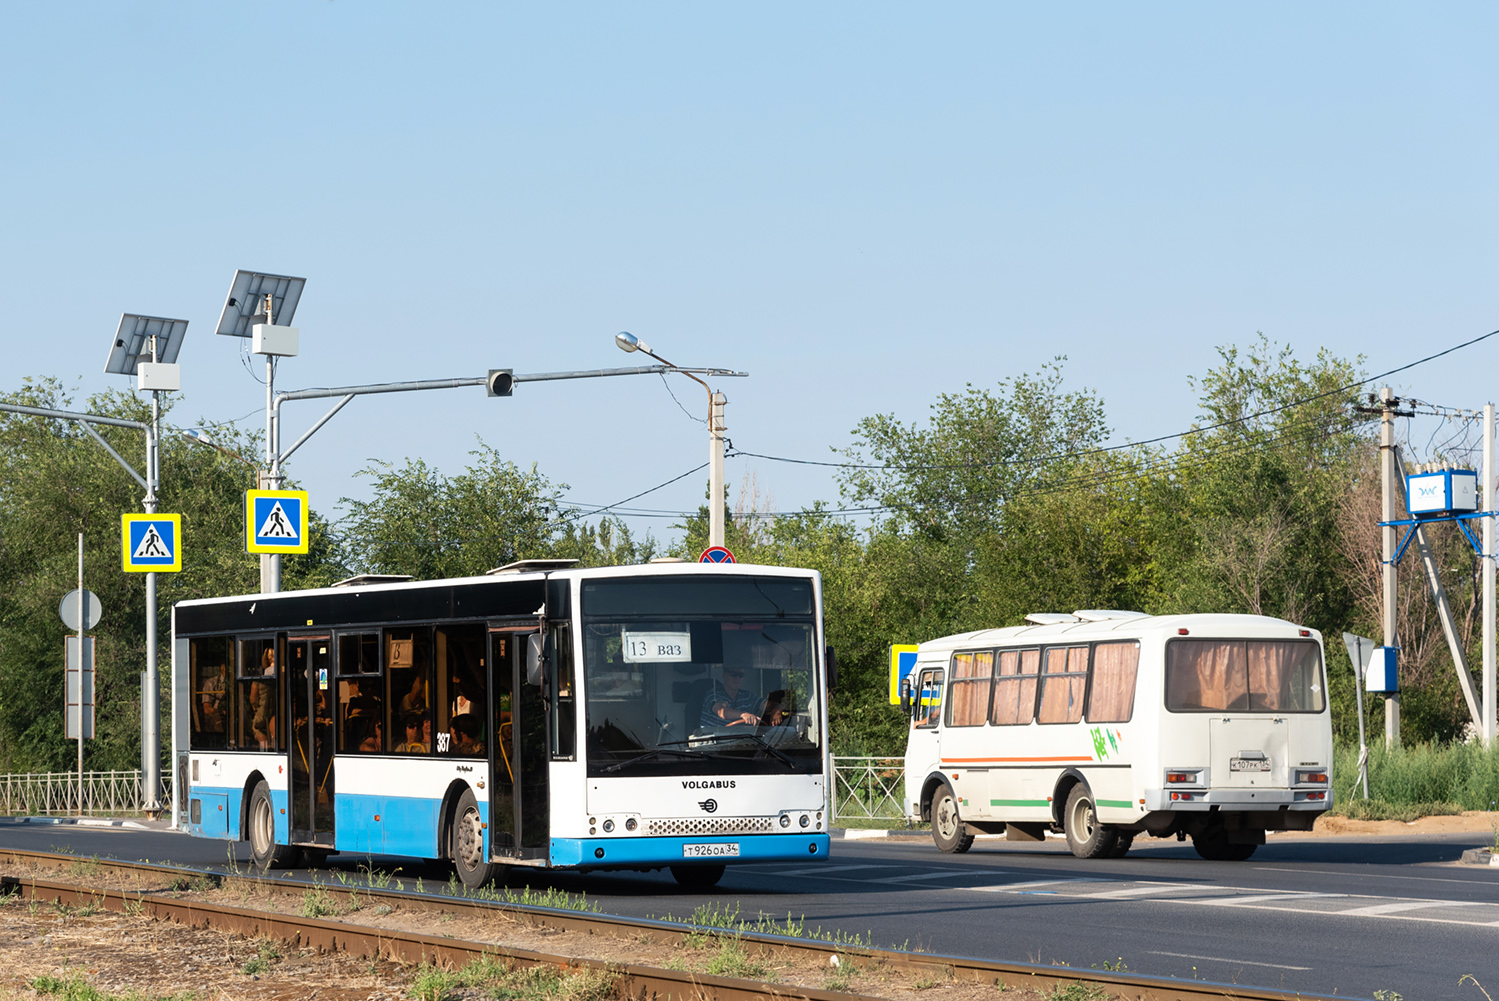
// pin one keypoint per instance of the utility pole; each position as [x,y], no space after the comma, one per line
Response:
[715,470]
[1487,563]
[1388,403]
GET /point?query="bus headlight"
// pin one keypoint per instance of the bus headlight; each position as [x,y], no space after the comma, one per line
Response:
[785,820]
[805,820]
[608,827]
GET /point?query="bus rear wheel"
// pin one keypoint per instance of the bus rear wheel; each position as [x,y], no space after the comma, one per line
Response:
[1085,835]
[264,851]
[1213,845]
[948,830]
[697,877]
[466,844]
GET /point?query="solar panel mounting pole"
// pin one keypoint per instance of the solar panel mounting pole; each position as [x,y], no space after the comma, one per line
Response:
[151,682]
[270,563]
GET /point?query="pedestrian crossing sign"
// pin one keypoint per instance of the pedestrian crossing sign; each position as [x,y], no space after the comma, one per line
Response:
[276,521]
[151,543]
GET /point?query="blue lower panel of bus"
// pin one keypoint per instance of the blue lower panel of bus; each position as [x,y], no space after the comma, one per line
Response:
[580,852]
[388,825]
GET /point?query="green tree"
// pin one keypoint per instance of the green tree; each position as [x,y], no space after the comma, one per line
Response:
[55,483]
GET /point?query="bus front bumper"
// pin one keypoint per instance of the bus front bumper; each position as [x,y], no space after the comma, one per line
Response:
[596,853]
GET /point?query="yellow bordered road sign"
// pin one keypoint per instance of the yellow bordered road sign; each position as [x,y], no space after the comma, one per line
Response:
[902,660]
[151,543]
[276,521]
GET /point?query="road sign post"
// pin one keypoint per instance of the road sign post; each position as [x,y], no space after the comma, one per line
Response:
[902,660]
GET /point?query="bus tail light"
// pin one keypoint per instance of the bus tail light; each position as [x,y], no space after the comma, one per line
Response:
[1183,776]
[1305,777]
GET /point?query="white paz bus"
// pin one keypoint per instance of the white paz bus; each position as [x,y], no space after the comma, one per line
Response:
[1105,725]
[643,717]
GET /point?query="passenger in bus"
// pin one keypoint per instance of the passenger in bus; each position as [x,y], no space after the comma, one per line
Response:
[212,701]
[729,704]
[268,662]
[356,703]
[365,734]
[263,720]
[414,722]
[415,701]
[465,733]
[462,704]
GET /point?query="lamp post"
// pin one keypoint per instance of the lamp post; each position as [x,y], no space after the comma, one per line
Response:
[146,347]
[629,342]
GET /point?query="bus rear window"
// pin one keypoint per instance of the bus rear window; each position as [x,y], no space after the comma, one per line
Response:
[1244,676]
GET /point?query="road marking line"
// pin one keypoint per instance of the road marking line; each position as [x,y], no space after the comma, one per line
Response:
[1256,898]
[1409,905]
[1026,887]
[1136,891]
[945,874]
[820,869]
[1330,872]
[1220,959]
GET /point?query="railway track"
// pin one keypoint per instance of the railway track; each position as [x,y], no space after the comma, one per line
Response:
[176,893]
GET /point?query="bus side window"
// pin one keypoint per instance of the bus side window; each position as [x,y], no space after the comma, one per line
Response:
[212,693]
[1064,681]
[969,697]
[1111,696]
[929,699]
[259,702]
[463,721]
[1015,688]
[361,723]
[564,707]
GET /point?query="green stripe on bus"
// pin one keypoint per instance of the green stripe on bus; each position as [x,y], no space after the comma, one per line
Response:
[1018,802]
[1122,803]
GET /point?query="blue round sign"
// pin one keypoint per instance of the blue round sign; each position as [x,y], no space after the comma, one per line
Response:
[716,554]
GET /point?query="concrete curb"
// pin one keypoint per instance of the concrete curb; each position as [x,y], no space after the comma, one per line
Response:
[134,825]
[1480,856]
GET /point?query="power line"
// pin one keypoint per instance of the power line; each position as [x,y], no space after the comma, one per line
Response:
[1135,444]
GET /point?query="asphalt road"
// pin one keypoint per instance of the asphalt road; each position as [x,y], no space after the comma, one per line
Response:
[1346,916]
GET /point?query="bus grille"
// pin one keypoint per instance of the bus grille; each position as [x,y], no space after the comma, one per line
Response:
[711,825]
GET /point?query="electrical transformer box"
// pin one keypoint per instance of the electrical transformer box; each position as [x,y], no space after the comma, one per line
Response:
[1446,491]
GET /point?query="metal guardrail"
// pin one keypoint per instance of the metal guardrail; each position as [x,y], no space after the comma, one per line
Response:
[40,794]
[863,789]
[869,789]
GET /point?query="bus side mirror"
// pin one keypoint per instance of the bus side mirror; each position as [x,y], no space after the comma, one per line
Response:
[830,656]
[905,696]
[534,658]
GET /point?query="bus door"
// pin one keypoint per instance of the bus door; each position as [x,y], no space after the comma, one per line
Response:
[518,800]
[311,743]
[923,746]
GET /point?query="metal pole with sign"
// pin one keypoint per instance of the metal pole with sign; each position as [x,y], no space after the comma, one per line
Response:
[1360,650]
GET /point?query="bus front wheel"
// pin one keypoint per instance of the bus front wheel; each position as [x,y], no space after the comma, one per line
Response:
[948,829]
[264,851]
[466,843]
[1085,835]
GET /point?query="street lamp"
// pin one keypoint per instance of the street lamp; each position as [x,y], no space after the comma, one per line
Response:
[628,342]
[146,347]
[260,306]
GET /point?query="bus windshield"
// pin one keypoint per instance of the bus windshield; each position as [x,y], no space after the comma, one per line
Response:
[724,685]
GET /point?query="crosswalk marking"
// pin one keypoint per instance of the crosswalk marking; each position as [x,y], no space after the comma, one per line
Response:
[1256,898]
[944,874]
[1406,905]
[1140,891]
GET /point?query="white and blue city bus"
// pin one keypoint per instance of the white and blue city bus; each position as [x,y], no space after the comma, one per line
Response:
[668,715]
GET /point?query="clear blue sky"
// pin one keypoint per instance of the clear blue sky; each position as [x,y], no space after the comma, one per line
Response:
[862,205]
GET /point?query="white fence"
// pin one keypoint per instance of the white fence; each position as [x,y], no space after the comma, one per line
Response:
[108,794]
[863,789]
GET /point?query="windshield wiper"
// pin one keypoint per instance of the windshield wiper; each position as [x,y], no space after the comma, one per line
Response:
[655,752]
[747,735]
